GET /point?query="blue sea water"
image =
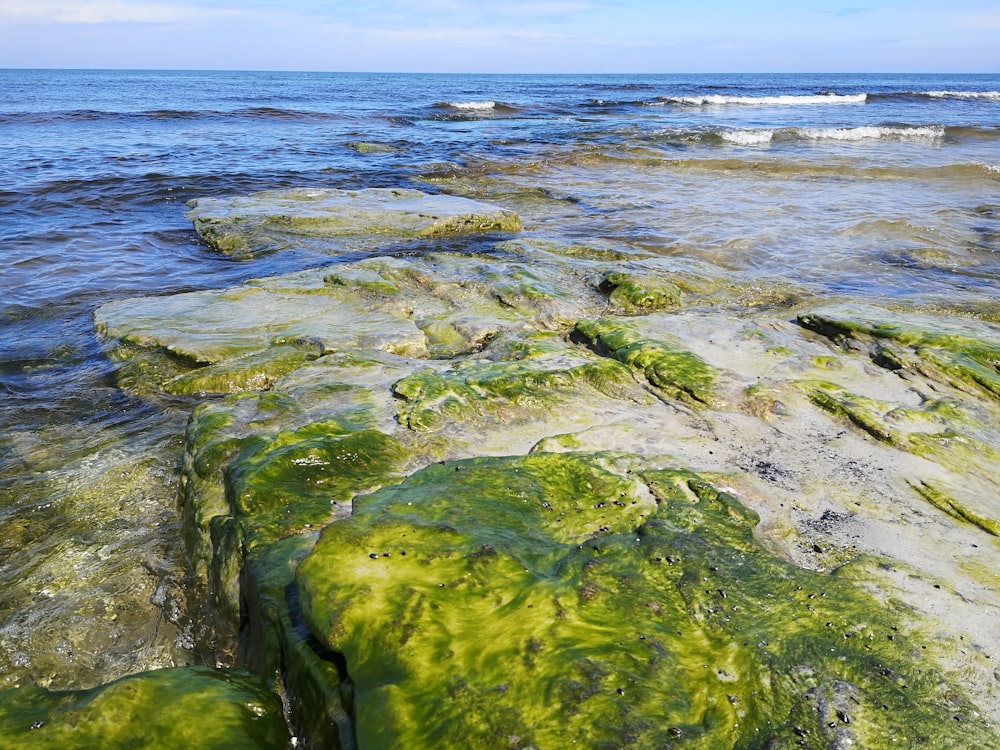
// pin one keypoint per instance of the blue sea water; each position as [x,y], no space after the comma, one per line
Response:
[880,186]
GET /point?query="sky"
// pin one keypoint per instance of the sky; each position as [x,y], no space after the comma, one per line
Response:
[504,36]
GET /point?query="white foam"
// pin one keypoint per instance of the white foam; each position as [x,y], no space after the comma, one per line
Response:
[992,96]
[480,106]
[748,137]
[873,132]
[769,100]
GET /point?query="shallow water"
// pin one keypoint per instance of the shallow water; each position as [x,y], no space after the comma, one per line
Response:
[871,186]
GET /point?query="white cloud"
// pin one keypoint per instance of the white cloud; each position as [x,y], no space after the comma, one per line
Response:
[94,11]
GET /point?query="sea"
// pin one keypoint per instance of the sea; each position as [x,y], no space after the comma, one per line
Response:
[881,187]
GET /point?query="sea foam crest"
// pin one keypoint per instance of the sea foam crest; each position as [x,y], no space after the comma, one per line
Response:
[478,106]
[874,132]
[788,99]
[992,96]
[748,137]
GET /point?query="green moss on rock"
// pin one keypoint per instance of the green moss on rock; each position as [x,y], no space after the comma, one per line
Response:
[677,372]
[197,707]
[960,352]
[555,600]
[635,294]
[520,384]
[295,480]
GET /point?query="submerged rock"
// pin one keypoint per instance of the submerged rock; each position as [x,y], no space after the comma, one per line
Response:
[273,220]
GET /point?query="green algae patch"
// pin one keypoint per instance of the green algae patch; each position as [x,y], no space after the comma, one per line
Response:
[372,147]
[251,334]
[246,226]
[255,372]
[636,295]
[957,351]
[522,385]
[196,707]
[558,599]
[864,413]
[954,507]
[261,467]
[295,480]
[675,371]
[278,643]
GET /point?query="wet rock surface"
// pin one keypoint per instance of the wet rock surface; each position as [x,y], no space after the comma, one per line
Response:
[555,493]
[273,220]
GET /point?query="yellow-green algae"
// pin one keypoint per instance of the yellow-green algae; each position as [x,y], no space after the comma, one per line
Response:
[534,377]
[194,707]
[554,600]
[954,507]
[678,372]
[637,294]
[950,351]
[257,469]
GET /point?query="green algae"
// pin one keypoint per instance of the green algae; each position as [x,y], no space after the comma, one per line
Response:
[951,351]
[255,372]
[863,412]
[196,707]
[294,481]
[372,147]
[953,507]
[635,294]
[318,695]
[260,467]
[530,378]
[559,599]
[678,372]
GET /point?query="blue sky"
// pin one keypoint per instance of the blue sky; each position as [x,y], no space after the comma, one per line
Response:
[587,36]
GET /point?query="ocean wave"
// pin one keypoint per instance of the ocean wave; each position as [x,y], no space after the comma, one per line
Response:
[992,96]
[916,96]
[473,109]
[484,105]
[764,101]
[762,136]
[874,132]
[755,137]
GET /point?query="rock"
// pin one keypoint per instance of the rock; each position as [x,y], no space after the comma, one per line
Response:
[273,220]
[679,373]
[632,596]
[195,707]
[479,442]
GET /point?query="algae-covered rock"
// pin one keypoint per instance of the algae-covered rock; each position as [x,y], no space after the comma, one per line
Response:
[962,352]
[268,221]
[200,328]
[196,707]
[555,600]
[531,382]
[679,373]
[636,294]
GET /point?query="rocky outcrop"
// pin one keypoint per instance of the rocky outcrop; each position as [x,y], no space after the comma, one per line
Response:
[272,220]
[556,494]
